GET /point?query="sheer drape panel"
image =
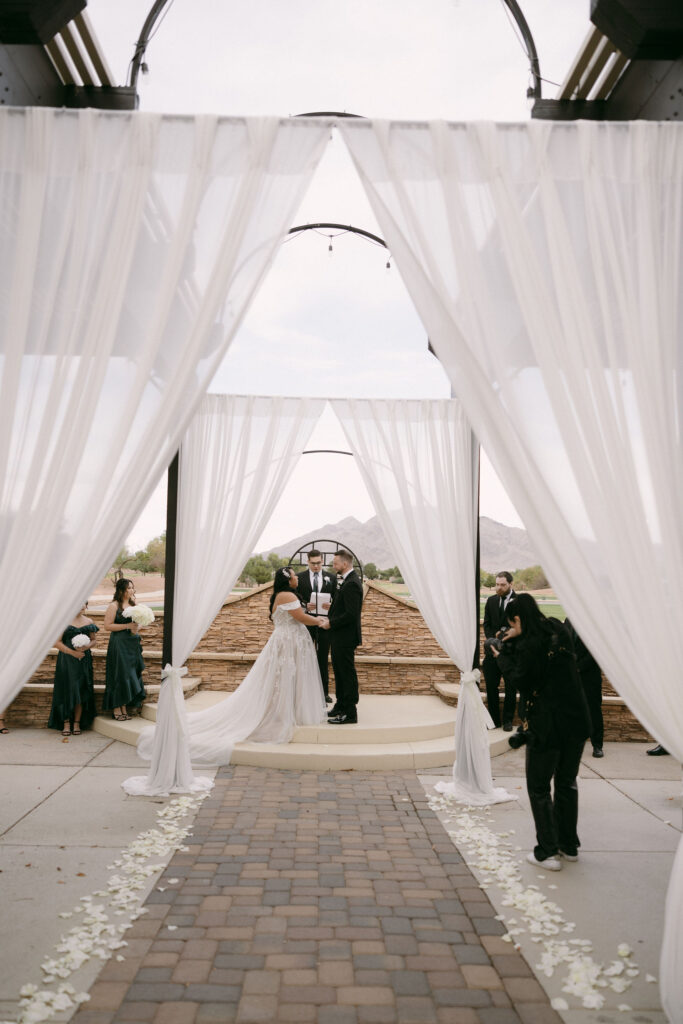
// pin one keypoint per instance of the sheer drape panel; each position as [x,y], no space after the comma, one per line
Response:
[235,461]
[418,462]
[545,260]
[131,245]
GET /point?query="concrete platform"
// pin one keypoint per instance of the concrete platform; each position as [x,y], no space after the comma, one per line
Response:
[393,733]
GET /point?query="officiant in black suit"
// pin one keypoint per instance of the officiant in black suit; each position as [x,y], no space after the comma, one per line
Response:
[495,619]
[345,636]
[317,579]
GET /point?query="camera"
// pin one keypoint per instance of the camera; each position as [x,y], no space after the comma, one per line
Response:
[518,739]
[495,642]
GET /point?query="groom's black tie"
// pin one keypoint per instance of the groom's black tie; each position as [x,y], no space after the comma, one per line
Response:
[315,583]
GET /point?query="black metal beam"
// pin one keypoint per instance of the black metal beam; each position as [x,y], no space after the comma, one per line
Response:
[170,566]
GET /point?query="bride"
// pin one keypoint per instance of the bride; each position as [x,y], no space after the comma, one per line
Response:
[283,689]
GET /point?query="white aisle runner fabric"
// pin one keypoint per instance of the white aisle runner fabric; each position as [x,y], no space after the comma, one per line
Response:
[420,466]
[546,262]
[235,461]
[131,246]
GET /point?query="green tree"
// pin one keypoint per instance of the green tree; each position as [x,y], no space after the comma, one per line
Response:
[275,561]
[531,578]
[487,579]
[257,570]
[370,570]
[123,558]
[156,552]
[141,562]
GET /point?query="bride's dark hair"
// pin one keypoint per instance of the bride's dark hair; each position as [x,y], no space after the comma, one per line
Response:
[280,583]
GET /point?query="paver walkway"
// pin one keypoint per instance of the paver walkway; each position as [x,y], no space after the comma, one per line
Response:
[332,898]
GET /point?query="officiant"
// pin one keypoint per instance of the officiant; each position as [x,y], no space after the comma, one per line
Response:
[316,586]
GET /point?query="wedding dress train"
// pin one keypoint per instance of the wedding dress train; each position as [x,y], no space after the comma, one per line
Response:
[282,690]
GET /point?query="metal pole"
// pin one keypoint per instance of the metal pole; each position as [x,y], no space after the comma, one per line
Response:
[477,561]
[169,570]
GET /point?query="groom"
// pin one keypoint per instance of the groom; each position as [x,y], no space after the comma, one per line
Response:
[345,636]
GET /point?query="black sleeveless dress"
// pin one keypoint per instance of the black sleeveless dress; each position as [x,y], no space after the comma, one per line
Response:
[73,682]
[123,680]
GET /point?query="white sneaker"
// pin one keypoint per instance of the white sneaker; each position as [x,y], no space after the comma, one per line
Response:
[569,856]
[549,864]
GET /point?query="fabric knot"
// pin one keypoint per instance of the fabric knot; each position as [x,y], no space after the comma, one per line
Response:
[169,670]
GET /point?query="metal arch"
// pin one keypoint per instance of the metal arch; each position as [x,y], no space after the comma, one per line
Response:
[310,544]
[329,225]
[512,5]
[531,52]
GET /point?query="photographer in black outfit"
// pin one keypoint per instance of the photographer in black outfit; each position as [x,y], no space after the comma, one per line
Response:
[537,655]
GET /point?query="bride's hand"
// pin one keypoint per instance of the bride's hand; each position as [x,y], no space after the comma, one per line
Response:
[324,624]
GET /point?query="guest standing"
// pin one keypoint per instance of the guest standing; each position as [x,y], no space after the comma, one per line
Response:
[123,682]
[494,620]
[73,694]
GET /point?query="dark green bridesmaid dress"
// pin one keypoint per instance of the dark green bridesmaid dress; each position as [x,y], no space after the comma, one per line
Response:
[123,681]
[73,683]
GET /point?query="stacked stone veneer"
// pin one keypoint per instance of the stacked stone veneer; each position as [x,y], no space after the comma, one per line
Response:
[399,655]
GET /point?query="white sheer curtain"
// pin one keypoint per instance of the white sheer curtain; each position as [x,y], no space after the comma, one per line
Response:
[131,245]
[546,261]
[420,465]
[235,461]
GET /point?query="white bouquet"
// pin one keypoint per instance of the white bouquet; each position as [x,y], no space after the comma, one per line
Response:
[80,640]
[141,614]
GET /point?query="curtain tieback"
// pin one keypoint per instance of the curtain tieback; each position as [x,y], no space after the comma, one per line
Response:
[470,681]
[174,691]
[170,670]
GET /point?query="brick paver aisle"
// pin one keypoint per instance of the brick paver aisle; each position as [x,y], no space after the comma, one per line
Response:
[334,898]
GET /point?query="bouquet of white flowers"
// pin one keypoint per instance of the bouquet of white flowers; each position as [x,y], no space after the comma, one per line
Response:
[142,614]
[80,640]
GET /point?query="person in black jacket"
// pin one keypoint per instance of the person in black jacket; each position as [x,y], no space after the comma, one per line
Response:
[590,675]
[495,618]
[345,636]
[537,655]
[318,579]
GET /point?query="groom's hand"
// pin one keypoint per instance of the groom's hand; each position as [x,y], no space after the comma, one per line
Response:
[324,623]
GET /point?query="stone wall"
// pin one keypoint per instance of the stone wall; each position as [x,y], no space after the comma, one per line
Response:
[399,655]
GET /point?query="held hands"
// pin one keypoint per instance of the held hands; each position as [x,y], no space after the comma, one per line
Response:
[324,623]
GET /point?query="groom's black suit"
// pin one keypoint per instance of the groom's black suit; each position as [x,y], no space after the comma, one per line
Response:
[320,637]
[345,636]
[494,620]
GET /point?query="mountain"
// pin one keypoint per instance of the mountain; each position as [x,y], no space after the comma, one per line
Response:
[502,547]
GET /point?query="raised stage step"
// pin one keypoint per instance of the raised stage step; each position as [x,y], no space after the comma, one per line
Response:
[394,732]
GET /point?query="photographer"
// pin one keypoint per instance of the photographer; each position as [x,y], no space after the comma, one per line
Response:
[495,620]
[536,654]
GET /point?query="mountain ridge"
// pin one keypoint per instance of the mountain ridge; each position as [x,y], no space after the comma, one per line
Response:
[501,546]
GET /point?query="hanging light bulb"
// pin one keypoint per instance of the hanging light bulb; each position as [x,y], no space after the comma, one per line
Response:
[388,264]
[329,248]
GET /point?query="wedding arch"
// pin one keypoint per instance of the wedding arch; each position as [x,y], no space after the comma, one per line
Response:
[545,260]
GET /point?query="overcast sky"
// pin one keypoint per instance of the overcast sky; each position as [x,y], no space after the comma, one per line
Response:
[337,324]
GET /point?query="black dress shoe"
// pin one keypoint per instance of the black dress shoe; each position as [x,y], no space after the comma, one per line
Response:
[598,752]
[658,751]
[333,711]
[343,719]
[507,726]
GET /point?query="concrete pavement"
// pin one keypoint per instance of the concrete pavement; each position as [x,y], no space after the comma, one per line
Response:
[64,818]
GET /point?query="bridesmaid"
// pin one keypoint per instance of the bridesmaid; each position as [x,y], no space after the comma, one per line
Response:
[73,696]
[123,682]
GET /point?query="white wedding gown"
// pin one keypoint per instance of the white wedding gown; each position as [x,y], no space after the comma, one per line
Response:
[283,689]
